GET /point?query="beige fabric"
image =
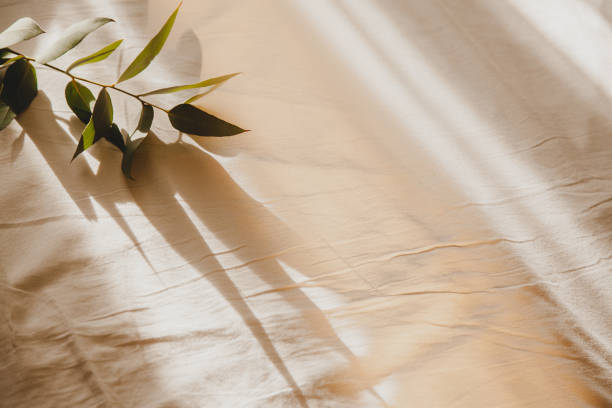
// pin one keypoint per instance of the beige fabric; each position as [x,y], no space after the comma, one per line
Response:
[420,217]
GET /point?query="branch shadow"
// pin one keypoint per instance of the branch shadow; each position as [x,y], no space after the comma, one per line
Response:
[185,171]
[77,178]
[257,237]
[82,185]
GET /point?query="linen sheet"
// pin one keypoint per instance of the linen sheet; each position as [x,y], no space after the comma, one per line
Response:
[420,215]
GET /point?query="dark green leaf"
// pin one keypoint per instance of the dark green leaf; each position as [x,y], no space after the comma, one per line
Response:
[21,30]
[88,138]
[100,124]
[189,119]
[149,52]
[115,137]
[128,155]
[146,118]
[141,132]
[102,116]
[78,150]
[97,56]
[6,115]
[20,85]
[5,55]
[202,84]
[71,37]
[80,99]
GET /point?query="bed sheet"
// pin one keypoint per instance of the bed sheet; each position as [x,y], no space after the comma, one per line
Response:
[420,215]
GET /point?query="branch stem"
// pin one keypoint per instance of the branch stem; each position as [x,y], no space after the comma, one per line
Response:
[74,77]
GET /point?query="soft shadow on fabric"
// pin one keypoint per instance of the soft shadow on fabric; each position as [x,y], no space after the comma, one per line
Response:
[164,172]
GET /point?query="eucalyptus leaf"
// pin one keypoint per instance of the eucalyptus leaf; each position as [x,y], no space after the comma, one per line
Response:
[20,85]
[97,56]
[10,61]
[6,54]
[6,115]
[201,84]
[102,116]
[80,100]
[71,37]
[100,124]
[141,132]
[198,96]
[146,118]
[88,138]
[189,119]
[21,30]
[115,137]
[149,52]
[89,134]
[128,155]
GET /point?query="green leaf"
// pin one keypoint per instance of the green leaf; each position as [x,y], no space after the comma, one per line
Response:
[97,56]
[142,131]
[149,52]
[89,135]
[115,137]
[198,96]
[80,100]
[102,116]
[128,155]
[6,115]
[146,118]
[189,119]
[21,30]
[6,54]
[71,37]
[100,124]
[88,138]
[20,85]
[10,61]
[202,84]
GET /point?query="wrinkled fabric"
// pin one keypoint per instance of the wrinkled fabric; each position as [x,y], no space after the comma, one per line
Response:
[420,215]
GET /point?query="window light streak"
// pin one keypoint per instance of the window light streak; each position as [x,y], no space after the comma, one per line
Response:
[569,27]
[467,136]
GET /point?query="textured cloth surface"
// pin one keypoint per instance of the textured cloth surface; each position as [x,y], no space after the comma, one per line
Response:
[421,215]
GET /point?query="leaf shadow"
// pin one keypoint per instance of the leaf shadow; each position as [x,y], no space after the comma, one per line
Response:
[164,172]
[257,237]
[41,126]
[17,146]
[80,182]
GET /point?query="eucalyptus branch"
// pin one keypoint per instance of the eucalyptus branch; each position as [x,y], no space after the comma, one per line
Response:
[113,86]
[19,87]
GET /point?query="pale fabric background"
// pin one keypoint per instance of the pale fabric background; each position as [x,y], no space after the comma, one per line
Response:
[420,217]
